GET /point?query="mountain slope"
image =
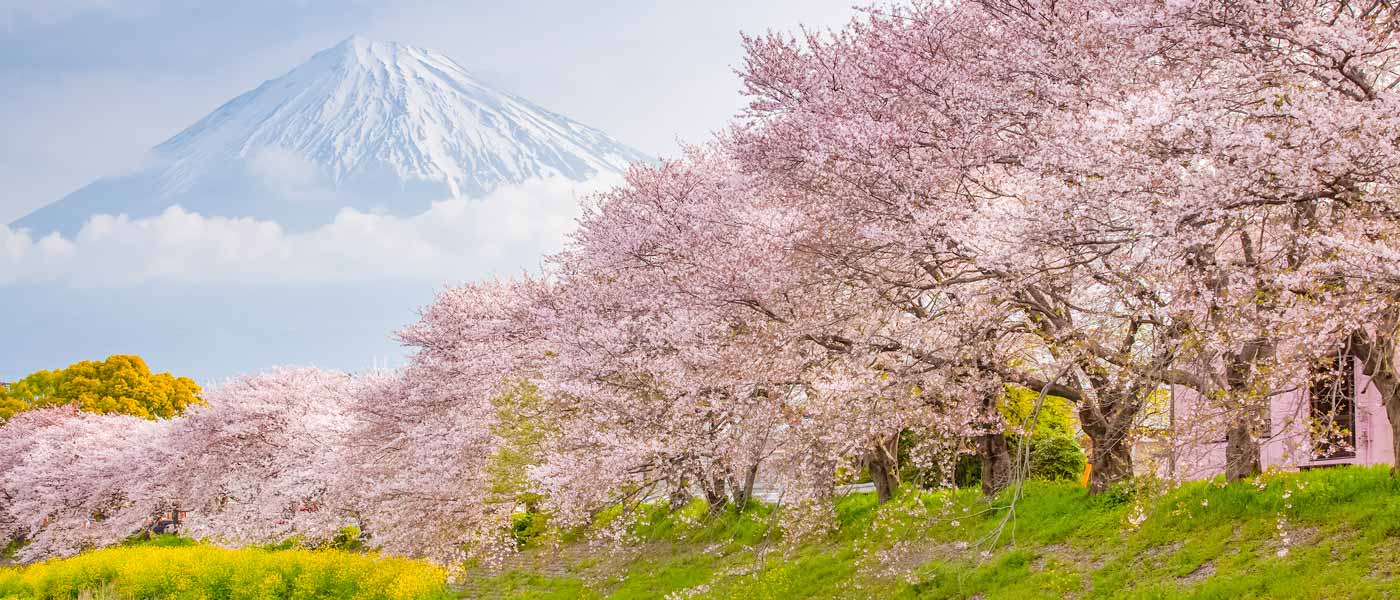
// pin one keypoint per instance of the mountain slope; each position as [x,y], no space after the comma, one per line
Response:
[376,126]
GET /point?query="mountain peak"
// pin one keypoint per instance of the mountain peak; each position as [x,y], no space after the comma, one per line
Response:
[352,48]
[354,40]
[361,51]
[379,126]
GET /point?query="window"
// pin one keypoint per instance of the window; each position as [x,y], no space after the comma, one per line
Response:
[1333,393]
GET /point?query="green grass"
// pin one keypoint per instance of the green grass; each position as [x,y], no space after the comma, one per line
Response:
[1340,529]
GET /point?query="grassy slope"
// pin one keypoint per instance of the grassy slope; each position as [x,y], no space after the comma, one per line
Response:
[1340,527]
[1203,540]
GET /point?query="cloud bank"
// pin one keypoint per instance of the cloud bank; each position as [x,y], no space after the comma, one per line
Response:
[502,234]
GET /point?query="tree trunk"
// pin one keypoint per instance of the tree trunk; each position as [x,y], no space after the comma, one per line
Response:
[884,486]
[714,494]
[996,463]
[1241,452]
[823,478]
[1242,459]
[1111,462]
[883,463]
[743,491]
[1108,421]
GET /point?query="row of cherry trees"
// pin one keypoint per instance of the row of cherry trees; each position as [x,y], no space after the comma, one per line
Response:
[1088,198]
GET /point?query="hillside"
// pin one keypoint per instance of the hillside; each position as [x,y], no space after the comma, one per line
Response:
[1333,533]
[1319,534]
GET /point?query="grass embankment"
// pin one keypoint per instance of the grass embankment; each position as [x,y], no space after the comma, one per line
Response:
[1320,534]
[1333,534]
[175,568]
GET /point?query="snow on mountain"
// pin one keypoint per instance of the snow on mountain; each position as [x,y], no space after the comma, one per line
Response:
[377,126]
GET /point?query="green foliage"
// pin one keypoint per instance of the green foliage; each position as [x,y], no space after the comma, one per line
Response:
[11,547]
[967,471]
[1056,458]
[527,526]
[349,539]
[1201,540]
[201,571]
[1122,492]
[524,434]
[1056,416]
[162,540]
[1054,451]
[122,384]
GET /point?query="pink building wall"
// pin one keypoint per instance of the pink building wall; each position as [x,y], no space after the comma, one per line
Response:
[1198,449]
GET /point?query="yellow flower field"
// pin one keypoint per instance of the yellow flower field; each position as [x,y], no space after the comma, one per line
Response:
[209,572]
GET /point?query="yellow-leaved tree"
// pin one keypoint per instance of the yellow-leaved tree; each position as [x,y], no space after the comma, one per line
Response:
[122,384]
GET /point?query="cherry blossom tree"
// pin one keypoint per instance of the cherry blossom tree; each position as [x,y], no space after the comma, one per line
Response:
[1127,139]
[75,480]
[259,464]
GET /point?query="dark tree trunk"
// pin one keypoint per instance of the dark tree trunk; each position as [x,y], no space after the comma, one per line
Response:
[1111,463]
[1242,459]
[1109,427]
[996,463]
[883,463]
[743,490]
[884,484]
[1241,452]
[992,449]
[714,494]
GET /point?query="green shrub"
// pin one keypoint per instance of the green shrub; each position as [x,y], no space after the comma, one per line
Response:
[349,538]
[526,526]
[1056,457]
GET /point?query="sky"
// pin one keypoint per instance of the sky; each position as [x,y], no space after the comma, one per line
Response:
[88,86]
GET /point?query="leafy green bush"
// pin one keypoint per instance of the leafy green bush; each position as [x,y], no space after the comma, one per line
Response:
[526,526]
[349,538]
[1056,457]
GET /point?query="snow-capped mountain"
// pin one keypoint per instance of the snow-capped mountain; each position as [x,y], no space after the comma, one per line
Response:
[380,127]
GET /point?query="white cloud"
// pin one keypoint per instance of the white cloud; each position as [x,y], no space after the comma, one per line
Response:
[283,170]
[455,240]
